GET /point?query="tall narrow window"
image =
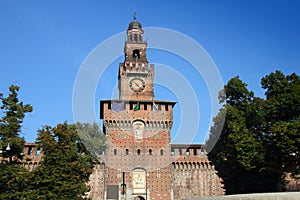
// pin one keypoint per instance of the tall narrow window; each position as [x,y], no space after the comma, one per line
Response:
[167,107]
[136,54]
[29,151]
[150,151]
[38,151]
[180,151]
[131,106]
[127,152]
[161,152]
[115,151]
[138,152]
[135,37]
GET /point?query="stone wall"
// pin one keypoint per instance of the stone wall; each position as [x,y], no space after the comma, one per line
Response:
[193,174]
[97,182]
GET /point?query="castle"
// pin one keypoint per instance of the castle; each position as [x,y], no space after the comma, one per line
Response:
[140,162]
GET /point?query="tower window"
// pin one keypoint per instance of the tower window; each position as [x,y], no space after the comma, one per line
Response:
[138,152]
[115,151]
[136,54]
[131,106]
[135,37]
[161,152]
[127,152]
[167,107]
[29,151]
[150,152]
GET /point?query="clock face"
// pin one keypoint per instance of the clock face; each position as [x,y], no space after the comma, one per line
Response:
[137,84]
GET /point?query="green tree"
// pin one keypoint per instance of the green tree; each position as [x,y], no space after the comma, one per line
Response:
[238,153]
[92,137]
[260,140]
[65,166]
[13,181]
[11,122]
[282,135]
[13,178]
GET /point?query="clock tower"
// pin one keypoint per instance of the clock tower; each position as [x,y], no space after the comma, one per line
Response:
[135,75]
[138,129]
[140,162]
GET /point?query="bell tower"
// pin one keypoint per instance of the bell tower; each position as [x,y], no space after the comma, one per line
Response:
[135,76]
[138,129]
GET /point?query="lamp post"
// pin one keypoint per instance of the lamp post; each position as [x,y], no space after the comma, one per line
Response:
[7,149]
[8,152]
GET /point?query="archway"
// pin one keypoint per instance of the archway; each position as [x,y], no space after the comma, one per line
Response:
[139,181]
[139,198]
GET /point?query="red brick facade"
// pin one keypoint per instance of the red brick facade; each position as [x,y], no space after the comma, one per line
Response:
[140,162]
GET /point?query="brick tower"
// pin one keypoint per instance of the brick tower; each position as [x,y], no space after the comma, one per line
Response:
[138,160]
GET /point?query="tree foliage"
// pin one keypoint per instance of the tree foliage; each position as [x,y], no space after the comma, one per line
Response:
[68,156]
[92,137]
[65,166]
[12,176]
[11,122]
[260,140]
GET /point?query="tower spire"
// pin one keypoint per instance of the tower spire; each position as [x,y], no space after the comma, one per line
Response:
[134,15]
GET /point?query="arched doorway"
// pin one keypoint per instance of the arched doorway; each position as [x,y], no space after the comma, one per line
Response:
[139,181]
[139,198]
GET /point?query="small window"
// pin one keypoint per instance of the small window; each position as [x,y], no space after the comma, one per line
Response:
[115,151]
[145,106]
[127,152]
[136,54]
[202,153]
[195,152]
[167,107]
[172,153]
[38,151]
[135,37]
[161,152]
[138,152]
[150,151]
[187,153]
[29,151]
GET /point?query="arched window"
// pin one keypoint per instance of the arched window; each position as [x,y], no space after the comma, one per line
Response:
[135,37]
[150,151]
[127,152]
[138,152]
[136,54]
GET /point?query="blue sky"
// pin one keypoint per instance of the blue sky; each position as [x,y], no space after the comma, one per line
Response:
[43,44]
